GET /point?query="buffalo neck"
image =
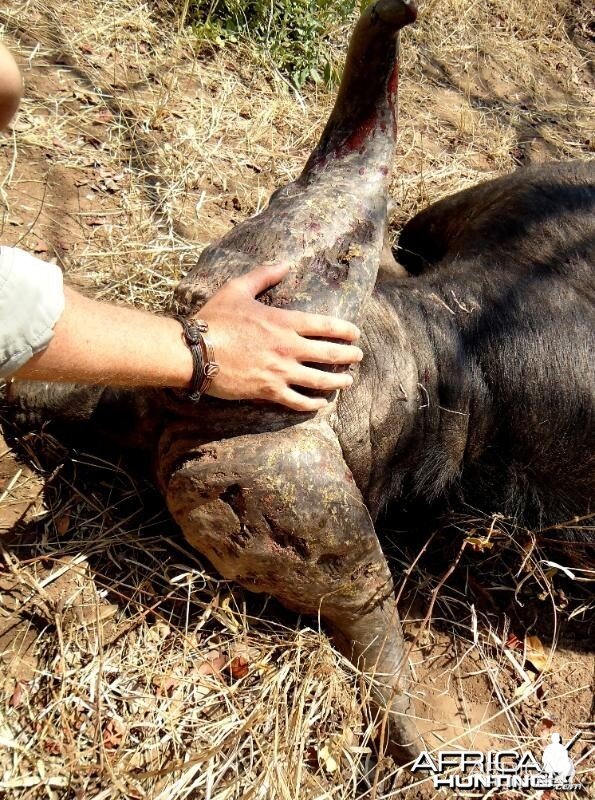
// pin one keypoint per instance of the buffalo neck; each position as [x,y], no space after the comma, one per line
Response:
[416,398]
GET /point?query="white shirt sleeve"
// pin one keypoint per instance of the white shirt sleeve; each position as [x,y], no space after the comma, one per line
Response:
[31,302]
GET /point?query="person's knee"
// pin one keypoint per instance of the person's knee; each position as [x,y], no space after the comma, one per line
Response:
[11,87]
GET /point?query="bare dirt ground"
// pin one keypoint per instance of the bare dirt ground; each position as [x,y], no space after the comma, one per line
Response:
[129,670]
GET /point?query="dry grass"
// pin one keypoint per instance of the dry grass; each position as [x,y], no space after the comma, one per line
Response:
[192,144]
[148,677]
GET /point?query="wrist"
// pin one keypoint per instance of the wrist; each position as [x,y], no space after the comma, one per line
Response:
[181,367]
[204,367]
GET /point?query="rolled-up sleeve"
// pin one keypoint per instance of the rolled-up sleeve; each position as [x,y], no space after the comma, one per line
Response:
[31,302]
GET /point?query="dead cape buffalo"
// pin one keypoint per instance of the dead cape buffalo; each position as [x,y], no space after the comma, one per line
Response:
[477,386]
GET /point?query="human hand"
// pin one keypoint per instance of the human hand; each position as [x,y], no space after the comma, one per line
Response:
[262,350]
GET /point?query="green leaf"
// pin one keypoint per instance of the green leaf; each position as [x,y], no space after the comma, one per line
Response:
[299,35]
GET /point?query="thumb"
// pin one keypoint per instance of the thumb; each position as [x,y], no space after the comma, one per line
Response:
[262,278]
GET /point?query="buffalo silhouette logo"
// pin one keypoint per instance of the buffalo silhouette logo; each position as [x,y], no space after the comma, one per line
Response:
[556,759]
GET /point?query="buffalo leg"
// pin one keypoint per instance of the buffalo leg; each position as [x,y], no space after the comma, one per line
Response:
[258,508]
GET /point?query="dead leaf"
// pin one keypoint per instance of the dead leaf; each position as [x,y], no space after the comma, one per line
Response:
[214,664]
[158,633]
[205,669]
[544,727]
[103,117]
[86,48]
[41,247]
[113,734]
[95,222]
[479,543]
[555,568]
[63,524]
[165,685]
[535,653]
[17,696]
[513,642]
[52,747]
[239,667]
[111,185]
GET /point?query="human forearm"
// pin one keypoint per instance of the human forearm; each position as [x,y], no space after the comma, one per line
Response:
[263,353]
[105,344]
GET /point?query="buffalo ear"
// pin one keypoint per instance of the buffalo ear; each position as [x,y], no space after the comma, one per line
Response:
[389,267]
[34,403]
[97,418]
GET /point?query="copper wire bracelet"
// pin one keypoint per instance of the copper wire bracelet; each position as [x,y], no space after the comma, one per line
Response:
[204,367]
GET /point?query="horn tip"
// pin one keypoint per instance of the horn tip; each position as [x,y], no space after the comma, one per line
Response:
[396,12]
